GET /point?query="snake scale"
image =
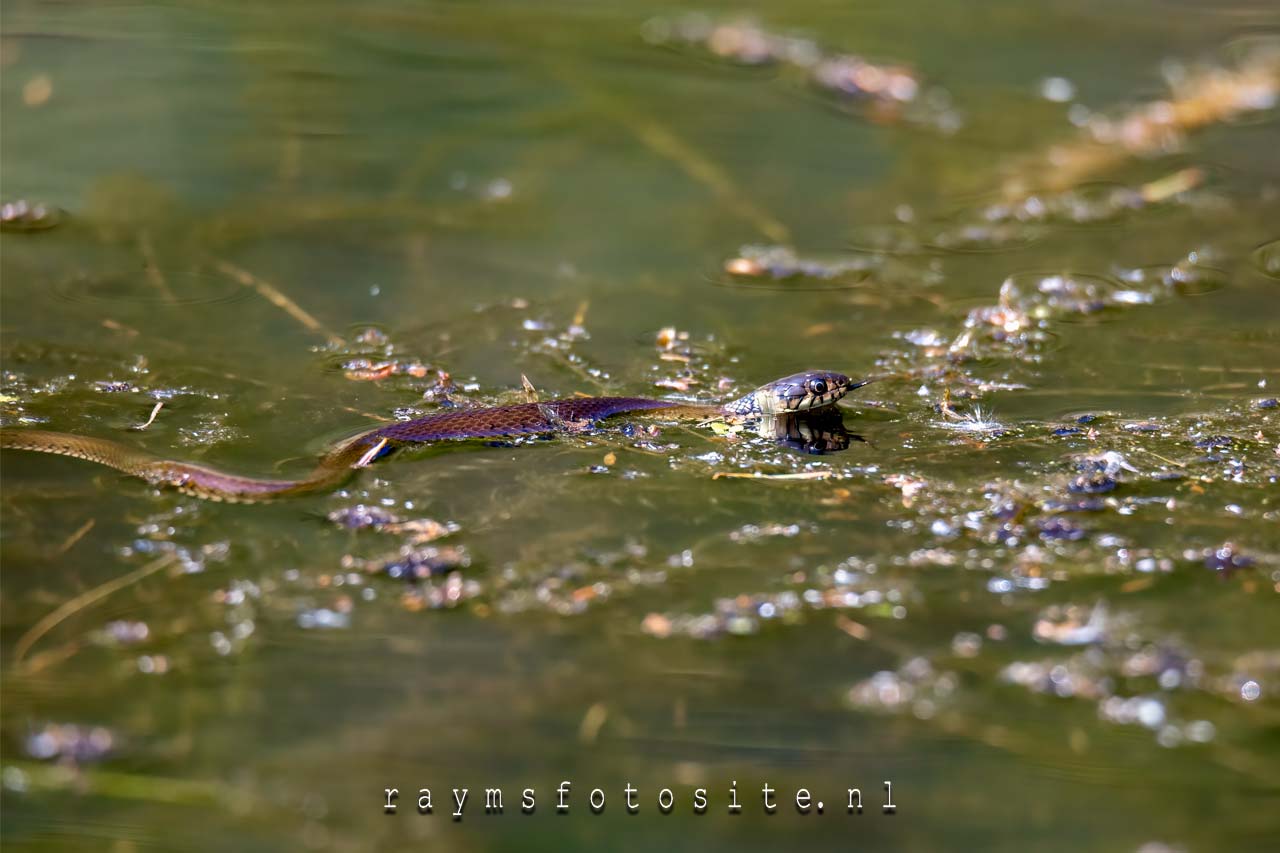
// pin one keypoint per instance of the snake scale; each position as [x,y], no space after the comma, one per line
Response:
[802,392]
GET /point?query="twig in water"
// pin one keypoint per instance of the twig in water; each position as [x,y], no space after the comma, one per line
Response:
[1161,458]
[127,786]
[269,292]
[854,629]
[71,540]
[80,602]
[152,267]
[155,410]
[756,475]
[1170,185]
[660,140]
[119,327]
[530,393]
[371,454]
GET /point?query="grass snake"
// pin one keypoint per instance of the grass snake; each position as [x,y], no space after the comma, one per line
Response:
[802,392]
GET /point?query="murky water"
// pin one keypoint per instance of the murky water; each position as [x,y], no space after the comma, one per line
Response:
[1036,592]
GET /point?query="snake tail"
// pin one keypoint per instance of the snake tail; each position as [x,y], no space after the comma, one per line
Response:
[187,477]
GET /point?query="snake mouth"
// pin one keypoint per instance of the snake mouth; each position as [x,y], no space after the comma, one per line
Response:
[809,402]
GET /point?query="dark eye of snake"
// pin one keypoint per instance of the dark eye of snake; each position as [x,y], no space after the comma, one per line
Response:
[818,387]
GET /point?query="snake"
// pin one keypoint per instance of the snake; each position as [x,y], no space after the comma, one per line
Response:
[800,393]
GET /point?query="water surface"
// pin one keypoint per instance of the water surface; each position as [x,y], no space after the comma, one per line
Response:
[1038,595]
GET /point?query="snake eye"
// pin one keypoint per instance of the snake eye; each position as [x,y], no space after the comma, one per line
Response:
[818,387]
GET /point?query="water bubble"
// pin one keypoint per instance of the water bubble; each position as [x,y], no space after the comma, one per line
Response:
[1079,115]
[1057,89]
[499,190]
[220,643]
[14,779]
[966,644]
[1151,713]
[1200,731]
[323,617]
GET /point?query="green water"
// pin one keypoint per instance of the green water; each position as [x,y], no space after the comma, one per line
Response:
[1037,650]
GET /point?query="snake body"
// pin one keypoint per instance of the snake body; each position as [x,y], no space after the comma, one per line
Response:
[802,392]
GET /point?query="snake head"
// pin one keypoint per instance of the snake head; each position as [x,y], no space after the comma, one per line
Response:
[801,392]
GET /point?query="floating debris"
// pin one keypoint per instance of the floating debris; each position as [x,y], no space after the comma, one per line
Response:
[1109,463]
[25,216]
[966,644]
[669,337]
[361,516]
[366,370]
[855,77]
[756,532]
[209,428]
[123,632]
[847,587]
[417,531]
[1146,711]
[1198,97]
[1072,626]
[1214,442]
[413,562]
[1226,559]
[1190,276]
[1060,90]
[1143,426]
[883,91]
[1093,483]
[370,356]
[70,743]
[453,591]
[151,418]
[915,686]
[762,475]
[1055,527]
[323,618]
[909,486]
[781,263]
[739,40]
[976,420]
[1091,203]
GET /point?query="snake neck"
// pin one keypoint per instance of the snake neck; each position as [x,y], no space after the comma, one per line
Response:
[746,406]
